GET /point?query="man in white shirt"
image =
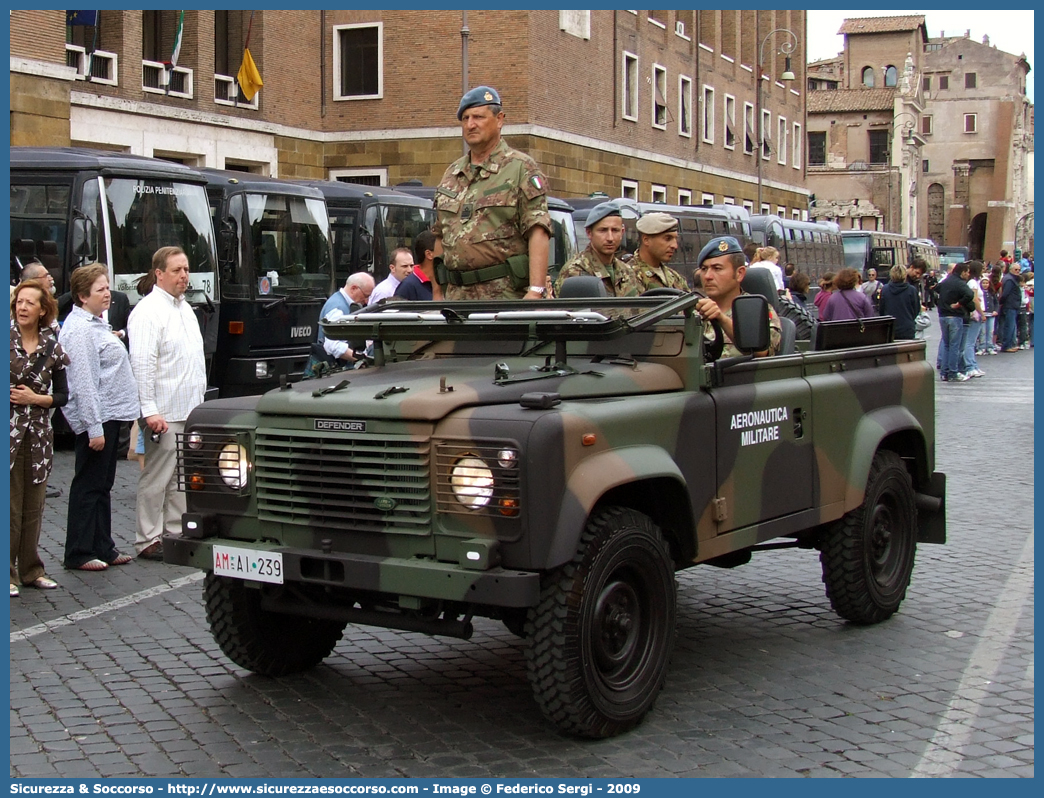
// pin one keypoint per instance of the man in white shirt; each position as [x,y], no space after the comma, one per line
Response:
[166,351]
[400,266]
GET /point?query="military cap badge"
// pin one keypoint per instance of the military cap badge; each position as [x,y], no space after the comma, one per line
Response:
[724,245]
[487,96]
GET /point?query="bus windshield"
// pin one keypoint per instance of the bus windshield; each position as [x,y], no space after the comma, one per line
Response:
[400,224]
[290,239]
[856,251]
[143,215]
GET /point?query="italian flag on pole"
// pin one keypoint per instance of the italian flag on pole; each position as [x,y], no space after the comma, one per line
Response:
[177,40]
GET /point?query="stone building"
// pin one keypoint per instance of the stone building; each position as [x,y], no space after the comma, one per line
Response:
[864,139]
[659,105]
[930,137]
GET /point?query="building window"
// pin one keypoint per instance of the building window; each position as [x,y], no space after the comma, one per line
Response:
[868,77]
[630,86]
[763,132]
[796,159]
[926,125]
[748,128]
[659,98]
[924,166]
[944,82]
[359,61]
[926,83]
[781,211]
[658,194]
[795,214]
[684,196]
[878,146]
[684,106]
[891,77]
[970,80]
[766,209]
[781,140]
[816,149]
[707,199]
[707,115]
[748,206]
[730,122]
[629,189]
[378,176]
[970,123]
[658,18]
[728,200]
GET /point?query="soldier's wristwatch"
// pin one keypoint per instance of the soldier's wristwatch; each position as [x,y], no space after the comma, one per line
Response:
[537,289]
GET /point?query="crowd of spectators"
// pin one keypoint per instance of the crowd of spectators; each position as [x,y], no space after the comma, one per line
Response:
[105,368]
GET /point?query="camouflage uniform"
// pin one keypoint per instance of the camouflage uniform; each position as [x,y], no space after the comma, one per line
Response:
[775,334]
[662,276]
[618,278]
[483,212]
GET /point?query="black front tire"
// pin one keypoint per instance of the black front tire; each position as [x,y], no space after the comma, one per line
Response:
[264,642]
[868,555]
[601,637]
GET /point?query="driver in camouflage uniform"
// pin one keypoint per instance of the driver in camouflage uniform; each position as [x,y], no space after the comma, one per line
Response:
[492,227]
[721,265]
[659,232]
[604,232]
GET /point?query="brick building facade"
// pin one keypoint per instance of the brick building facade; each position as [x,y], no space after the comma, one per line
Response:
[653,104]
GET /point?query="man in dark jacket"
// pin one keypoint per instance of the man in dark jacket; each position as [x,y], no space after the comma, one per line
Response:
[956,302]
[1010,298]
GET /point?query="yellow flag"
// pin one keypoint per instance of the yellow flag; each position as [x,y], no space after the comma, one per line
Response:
[249,78]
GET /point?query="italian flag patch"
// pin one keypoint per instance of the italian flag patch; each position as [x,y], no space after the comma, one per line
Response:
[537,182]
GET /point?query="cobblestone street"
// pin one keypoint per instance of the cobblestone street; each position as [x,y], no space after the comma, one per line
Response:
[116,673]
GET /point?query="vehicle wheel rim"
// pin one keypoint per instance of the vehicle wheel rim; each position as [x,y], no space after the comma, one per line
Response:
[619,629]
[884,553]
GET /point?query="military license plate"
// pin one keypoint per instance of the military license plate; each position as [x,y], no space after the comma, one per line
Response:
[250,564]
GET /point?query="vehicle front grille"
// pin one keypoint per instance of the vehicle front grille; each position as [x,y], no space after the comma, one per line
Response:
[361,484]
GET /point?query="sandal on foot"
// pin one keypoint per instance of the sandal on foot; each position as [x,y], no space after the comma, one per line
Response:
[121,559]
[43,583]
[14,591]
[92,565]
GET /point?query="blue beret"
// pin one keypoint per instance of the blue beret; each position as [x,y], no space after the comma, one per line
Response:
[480,95]
[716,247]
[600,211]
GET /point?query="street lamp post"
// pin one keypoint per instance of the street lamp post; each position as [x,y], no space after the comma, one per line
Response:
[786,48]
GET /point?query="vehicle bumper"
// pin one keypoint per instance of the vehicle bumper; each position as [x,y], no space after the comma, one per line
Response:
[496,587]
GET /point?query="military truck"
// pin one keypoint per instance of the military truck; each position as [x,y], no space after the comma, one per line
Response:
[551,466]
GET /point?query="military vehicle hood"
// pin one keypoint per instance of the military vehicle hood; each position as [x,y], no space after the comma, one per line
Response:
[431,389]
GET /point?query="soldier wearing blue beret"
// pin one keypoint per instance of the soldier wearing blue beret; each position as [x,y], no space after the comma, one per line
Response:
[605,229]
[492,227]
[721,265]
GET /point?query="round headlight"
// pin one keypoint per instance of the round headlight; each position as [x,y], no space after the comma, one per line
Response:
[194,440]
[232,465]
[472,482]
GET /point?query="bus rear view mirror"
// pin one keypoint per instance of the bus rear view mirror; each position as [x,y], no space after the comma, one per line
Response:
[83,238]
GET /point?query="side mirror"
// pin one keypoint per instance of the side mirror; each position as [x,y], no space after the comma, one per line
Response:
[83,238]
[750,323]
[227,242]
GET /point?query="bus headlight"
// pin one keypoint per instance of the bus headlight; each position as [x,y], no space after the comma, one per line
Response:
[472,482]
[233,466]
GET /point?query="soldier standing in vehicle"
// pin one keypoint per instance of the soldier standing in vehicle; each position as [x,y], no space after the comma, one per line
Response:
[492,227]
[659,242]
[605,229]
[721,265]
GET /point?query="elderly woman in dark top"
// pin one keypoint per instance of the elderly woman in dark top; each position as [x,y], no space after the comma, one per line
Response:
[847,302]
[38,383]
[102,395]
[901,300]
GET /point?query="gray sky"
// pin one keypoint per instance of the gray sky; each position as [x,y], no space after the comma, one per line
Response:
[1011,31]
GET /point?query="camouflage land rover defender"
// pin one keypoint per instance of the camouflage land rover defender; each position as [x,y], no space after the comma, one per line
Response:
[551,466]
